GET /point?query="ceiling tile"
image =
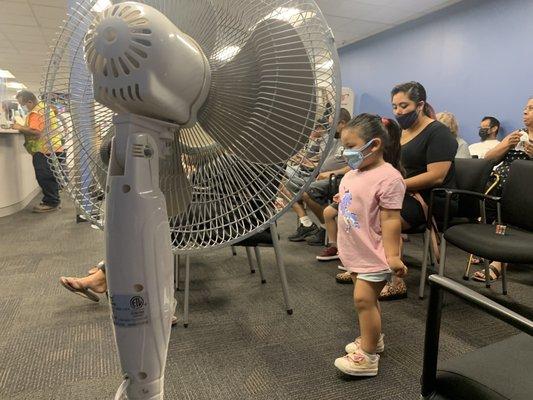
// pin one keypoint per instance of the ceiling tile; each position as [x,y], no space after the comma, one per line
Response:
[25,20]
[14,8]
[49,12]
[54,3]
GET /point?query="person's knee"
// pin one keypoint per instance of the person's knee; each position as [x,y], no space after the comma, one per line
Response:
[306,197]
[362,302]
[330,213]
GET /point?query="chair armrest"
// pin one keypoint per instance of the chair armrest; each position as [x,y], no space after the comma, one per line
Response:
[438,284]
[481,196]
[478,300]
[449,193]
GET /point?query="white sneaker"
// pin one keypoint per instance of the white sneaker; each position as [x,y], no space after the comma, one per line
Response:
[355,346]
[358,364]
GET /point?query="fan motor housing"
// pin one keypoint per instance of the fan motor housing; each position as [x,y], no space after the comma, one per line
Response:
[143,64]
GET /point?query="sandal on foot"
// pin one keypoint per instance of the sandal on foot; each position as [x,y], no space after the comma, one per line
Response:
[479,276]
[393,291]
[83,292]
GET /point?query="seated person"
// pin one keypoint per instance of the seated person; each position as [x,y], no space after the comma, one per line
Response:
[448,119]
[302,164]
[488,131]
[518,145]
[316,197]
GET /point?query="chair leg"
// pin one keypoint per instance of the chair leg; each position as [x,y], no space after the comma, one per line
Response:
[259,264]
[233,250]
[186,293]
[466,274]
[250,260]
[176,272]
[442,260]
[486,263]
[281,267]
[504,278]
[423,271]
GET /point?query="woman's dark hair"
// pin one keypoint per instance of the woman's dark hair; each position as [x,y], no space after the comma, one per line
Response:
[416,92]
[371,126]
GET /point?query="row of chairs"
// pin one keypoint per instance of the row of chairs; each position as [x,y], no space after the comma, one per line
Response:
[464,230]
[468,229]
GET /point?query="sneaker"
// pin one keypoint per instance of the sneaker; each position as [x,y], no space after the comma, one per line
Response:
[355,346]
[344,277]
[358,364]
[329,253]
[317,239]
[302,232]
[43,208]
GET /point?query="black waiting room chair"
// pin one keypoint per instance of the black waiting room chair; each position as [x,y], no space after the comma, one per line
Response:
[499,371]
[471,176]
[515,211]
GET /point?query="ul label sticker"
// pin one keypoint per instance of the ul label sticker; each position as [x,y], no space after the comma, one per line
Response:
[130,310]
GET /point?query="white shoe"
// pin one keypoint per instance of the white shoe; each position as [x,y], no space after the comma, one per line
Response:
[358,364]
[355,346]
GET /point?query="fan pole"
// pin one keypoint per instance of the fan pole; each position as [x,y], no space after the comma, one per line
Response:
[139,258]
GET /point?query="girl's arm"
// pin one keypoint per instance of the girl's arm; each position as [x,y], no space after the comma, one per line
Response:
[435,175]
[391,227]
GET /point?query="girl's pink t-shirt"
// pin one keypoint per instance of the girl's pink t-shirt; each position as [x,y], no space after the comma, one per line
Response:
[362,193]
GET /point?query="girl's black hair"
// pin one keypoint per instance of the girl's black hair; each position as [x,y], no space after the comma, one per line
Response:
[417,93]
[371,126]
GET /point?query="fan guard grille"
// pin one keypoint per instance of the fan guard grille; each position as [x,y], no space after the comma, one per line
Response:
[234,176]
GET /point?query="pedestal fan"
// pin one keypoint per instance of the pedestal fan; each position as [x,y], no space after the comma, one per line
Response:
[205,101]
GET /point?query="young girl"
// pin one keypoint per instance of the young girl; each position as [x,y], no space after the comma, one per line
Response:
[370,199]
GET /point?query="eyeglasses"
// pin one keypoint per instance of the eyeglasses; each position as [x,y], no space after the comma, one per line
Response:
[528,108]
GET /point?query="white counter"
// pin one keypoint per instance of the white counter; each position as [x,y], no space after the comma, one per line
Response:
[17,177]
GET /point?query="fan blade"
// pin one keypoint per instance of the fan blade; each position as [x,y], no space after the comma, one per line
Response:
[263,108]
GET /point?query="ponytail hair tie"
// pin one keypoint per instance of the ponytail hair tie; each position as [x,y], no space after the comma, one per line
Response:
[385,121]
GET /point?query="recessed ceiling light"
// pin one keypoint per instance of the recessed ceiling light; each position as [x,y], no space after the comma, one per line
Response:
[5,74]
[16,85]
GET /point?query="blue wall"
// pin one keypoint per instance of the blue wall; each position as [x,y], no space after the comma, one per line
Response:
[474,58]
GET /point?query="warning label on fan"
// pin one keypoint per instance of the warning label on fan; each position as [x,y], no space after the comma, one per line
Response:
[130,310]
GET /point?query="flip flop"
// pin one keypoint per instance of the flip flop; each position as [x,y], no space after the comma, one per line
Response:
[479,276]
[83,292]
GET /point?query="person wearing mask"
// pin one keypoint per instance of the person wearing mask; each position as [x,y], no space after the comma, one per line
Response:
[518,145]
[40,148]
[370,199]
[448,119]
[488,131]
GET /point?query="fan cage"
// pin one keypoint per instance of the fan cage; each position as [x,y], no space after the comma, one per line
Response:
[234,192]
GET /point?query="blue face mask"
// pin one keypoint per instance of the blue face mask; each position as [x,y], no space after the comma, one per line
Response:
[354,157]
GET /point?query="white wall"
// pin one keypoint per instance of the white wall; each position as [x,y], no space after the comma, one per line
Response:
[17,178]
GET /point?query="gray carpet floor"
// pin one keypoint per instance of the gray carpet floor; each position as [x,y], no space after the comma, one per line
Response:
[240,343]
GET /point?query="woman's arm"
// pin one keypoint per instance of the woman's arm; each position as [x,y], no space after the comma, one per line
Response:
[435,175]
[500,150]
[391,227]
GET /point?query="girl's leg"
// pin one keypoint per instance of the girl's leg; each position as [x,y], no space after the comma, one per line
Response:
[330,214]
[367,305]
